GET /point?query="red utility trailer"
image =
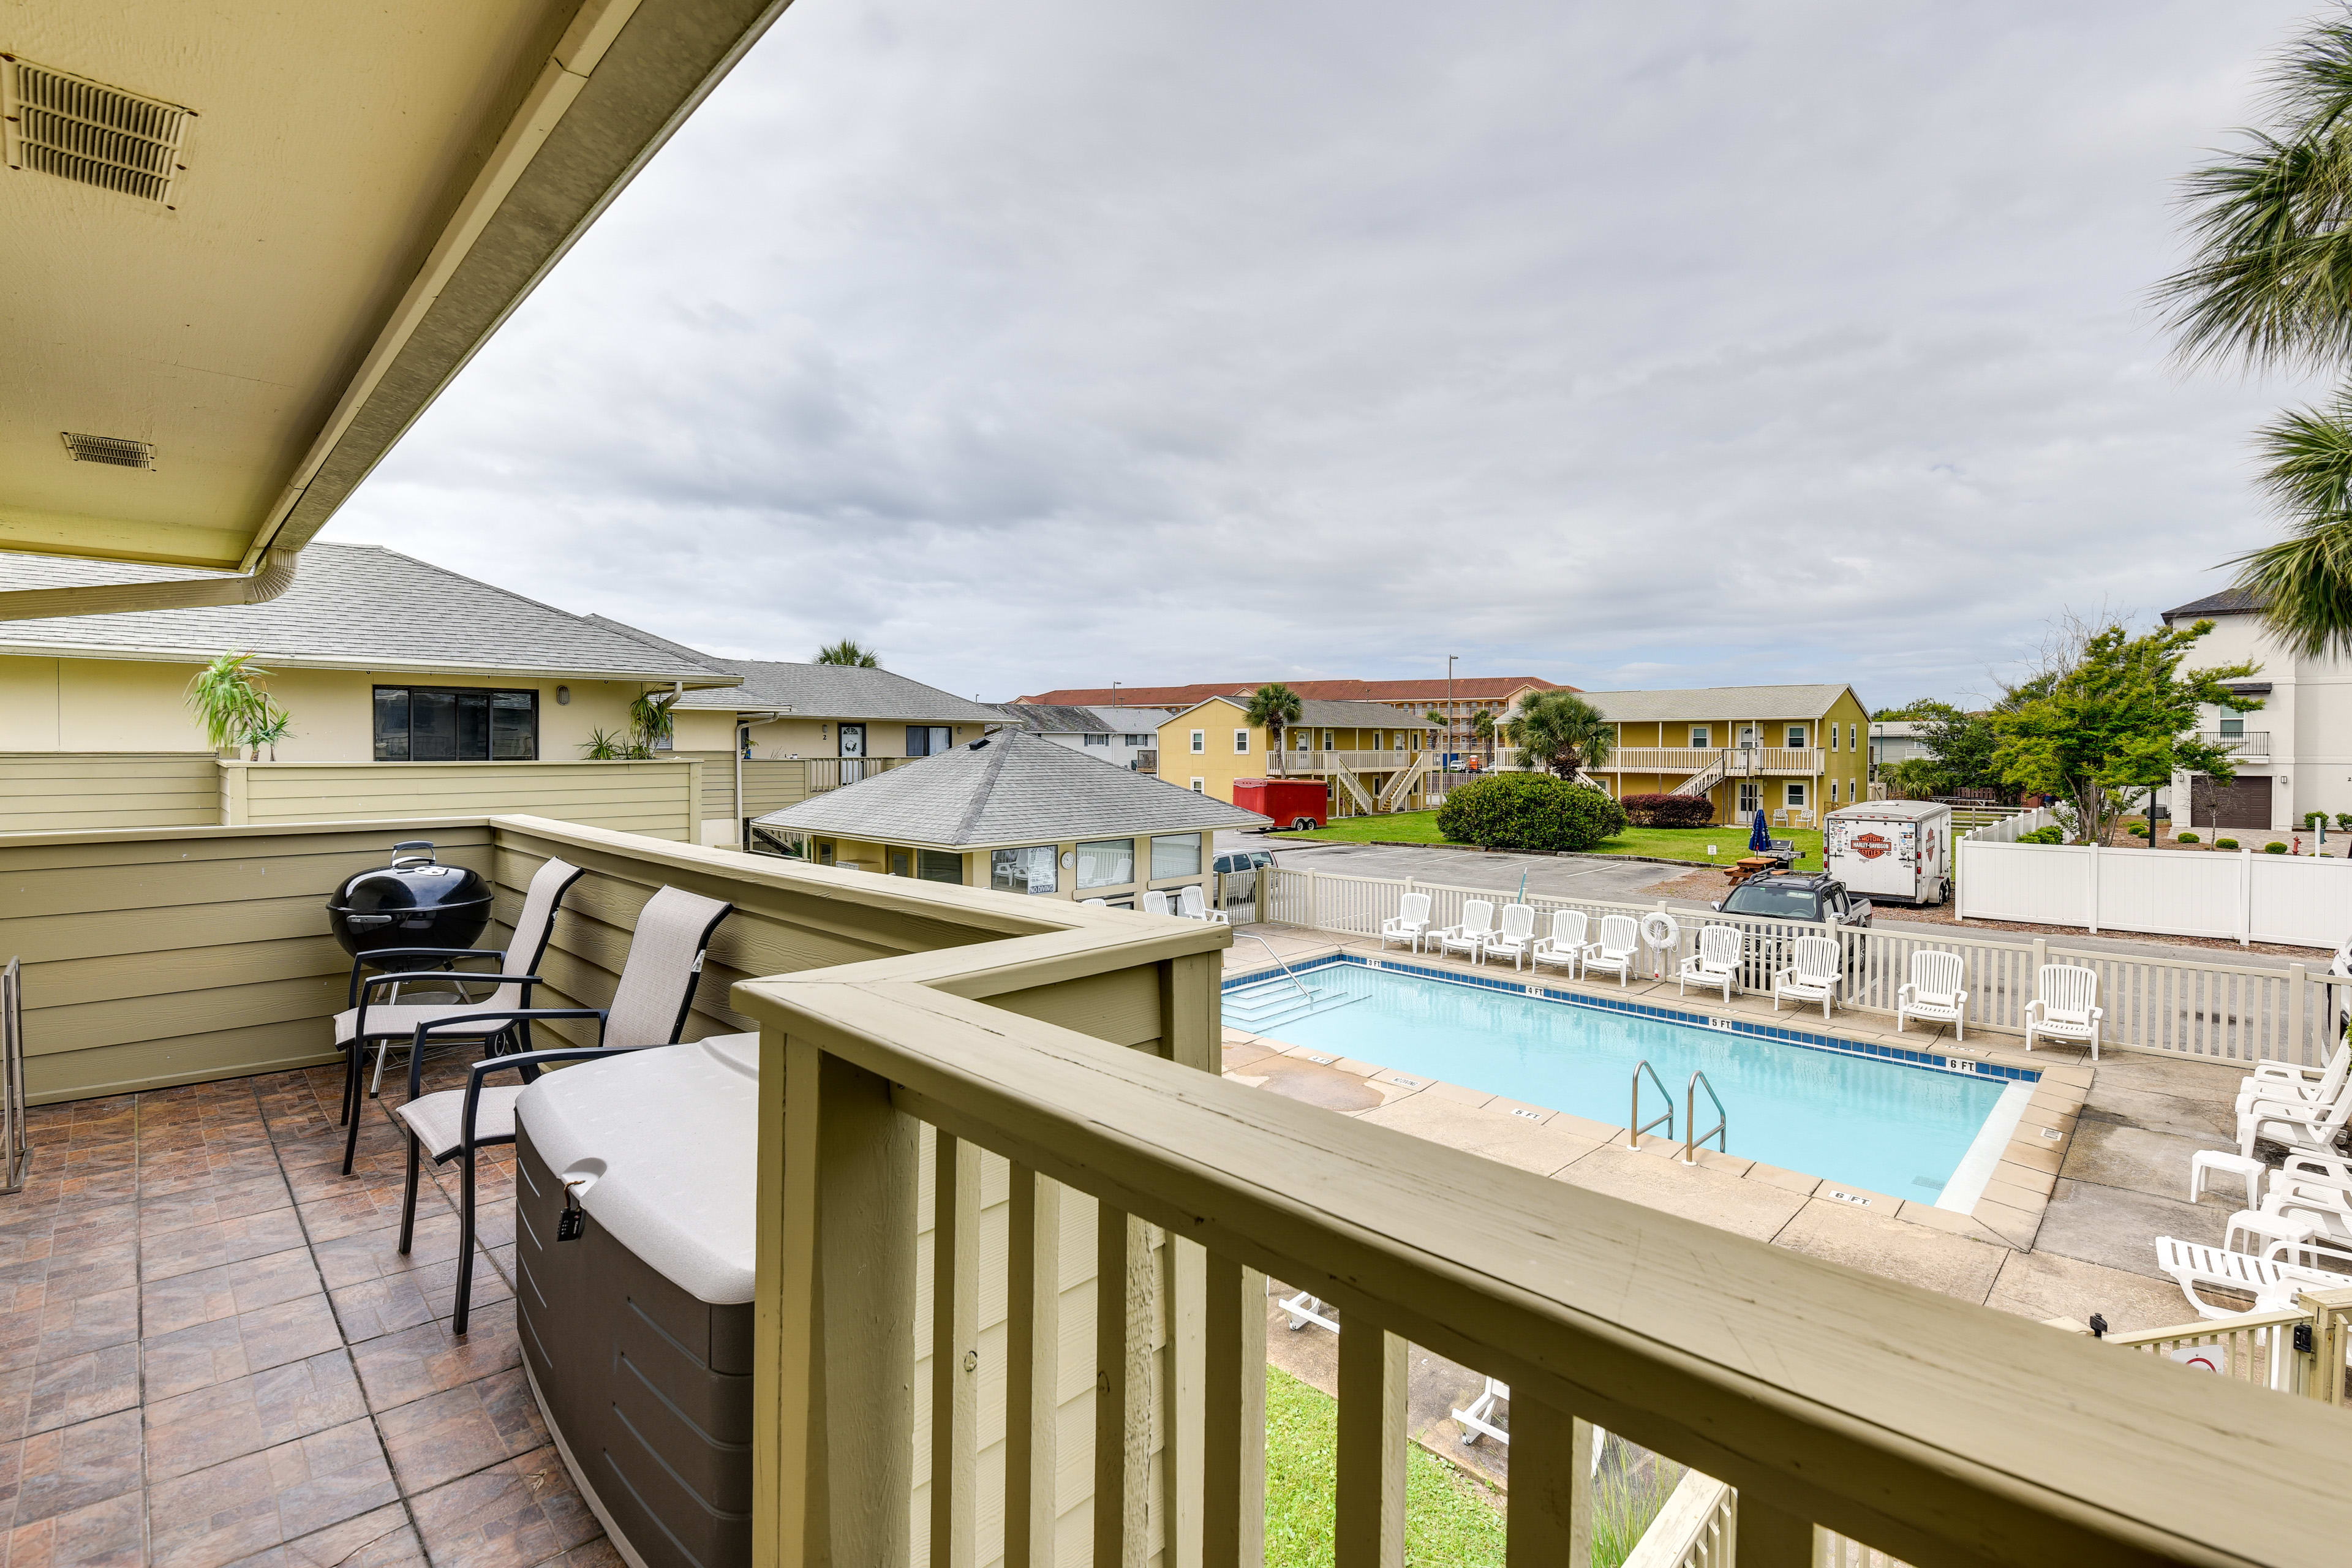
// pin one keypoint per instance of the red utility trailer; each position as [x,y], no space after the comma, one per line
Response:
[1291,803]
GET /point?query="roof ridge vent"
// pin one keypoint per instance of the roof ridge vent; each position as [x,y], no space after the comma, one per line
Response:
[119,450]
[84,130]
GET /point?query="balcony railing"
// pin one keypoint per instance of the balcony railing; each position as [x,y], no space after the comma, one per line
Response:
[2252,744]
[1326,762]
[832,772]
[1739,761]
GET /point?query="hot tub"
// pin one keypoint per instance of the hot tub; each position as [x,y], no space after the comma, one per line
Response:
[636,1336]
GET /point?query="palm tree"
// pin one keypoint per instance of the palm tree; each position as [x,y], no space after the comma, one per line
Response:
[227,699]
[849,653]
[1563,732]
[1482,728]
[1273,707]
[2270,285]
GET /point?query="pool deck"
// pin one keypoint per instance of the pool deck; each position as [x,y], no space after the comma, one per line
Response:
[2065,1228]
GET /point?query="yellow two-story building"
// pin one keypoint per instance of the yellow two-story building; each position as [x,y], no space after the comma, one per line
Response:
[1375,758]
[1790,751]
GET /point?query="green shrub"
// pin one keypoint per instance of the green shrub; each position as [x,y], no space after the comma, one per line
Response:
[1529,811]
[2138,829]
[2314,819]
[2274,847]
[2225,844]
[2344,820]
[2053,834]
[2187,839]
[1669,810]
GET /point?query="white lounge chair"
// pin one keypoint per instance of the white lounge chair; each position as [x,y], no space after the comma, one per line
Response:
[2066,1007]
[1155,902]
[1470,936]
[1812,976]
[2194,1266]
[1194,905]
[2300,1129]
[2290,1084]
[1934,992]
[2325,1205]
[1517,937]
[1620,939]
[1717,961]
[1409,923]
[1565,944]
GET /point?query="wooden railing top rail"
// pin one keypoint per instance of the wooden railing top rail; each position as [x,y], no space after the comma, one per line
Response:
[1935,1429]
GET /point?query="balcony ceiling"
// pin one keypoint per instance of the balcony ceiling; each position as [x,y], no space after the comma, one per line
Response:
[367,188]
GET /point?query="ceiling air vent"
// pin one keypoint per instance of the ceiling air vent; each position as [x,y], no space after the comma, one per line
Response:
[78,130]
[121,451]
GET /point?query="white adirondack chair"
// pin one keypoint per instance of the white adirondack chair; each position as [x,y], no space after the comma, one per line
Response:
[1717,961]
[1409,923]
[1565,944]
[1470,936]
[1621,939]
[1812,976]
[1194,905]
[1934,992]
[1517,937]
[2066,1007]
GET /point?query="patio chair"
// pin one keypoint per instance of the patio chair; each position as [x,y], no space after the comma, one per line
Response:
[2292,1084]
[1517,937]
[1812,976]
[1565,944]
[1478,1420]
[2193,1267]
[1717,961]
[2299,1127]
[649,1004]
[1470,936]
[1155,902]
[1621,941]
[374,1013]
[2325,1205]
[2065,1006]
[1409,923]
[1194,905]
[1934,991]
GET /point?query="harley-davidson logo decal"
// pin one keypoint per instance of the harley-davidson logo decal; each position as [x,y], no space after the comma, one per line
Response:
[1871,846]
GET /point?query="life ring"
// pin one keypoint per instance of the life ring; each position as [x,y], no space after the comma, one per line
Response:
[1660,929]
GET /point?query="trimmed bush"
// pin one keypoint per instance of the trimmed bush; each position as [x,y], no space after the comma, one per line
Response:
[2314,819]
[1529,811]
[2138,829]
[2050,835]
[2187,839]
[2274,847]
[2344,820]
[1669,810]
[2225,844]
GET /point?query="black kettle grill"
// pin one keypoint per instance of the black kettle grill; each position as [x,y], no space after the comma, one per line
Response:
[416,902]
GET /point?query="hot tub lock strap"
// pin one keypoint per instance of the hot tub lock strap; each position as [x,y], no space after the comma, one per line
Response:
[573,1223]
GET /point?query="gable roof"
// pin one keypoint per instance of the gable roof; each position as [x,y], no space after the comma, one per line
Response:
[2228,602]
[1011,788]
[1054,718]
[1733,703]
[1468,688]
[817,690]
[1321,715]
[353,606]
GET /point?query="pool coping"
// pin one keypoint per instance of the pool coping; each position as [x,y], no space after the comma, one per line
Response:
[2007,1212]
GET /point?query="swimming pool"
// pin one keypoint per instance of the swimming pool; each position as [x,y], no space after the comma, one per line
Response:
[1912,1124]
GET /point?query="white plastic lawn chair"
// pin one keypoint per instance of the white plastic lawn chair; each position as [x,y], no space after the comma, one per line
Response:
[1409,923]
[1155,902]
[2300,1129]
[1717,961]
[1620,939]
[1478,1420]
[1813,976]
[1470,936]
[2324,1206]
[1194,905]
[1517,937]
[1934,992]
[2194,1267]
[2289,1084]
[2066,1007]
[1565,944]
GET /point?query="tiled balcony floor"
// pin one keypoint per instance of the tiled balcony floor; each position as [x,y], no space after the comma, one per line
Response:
[214,1355]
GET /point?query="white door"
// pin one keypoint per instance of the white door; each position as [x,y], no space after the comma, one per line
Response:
[853,751]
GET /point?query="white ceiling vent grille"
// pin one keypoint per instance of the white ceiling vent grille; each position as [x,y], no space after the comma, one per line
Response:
[119,450]
[84,130]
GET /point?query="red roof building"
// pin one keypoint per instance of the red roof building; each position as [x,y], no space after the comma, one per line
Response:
[1459,704]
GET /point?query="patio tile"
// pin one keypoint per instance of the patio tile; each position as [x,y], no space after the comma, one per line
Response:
[2043,1284]
[82,1388]
[212,1426]
[382,1538]
[1753,1209]
[375,1254]
[2209,1120]
[460,1430]
[86,1323]
[400,1301]
[2116,1155]
[210,1204]
[292,1489]
[110,1534]
[400,1369]
[2118,1228]
[1884,1245]
[185,1251]
[227,1347]
[71,1467]
[359,1207]
[1491,1133]
[227,1290]
[513,1515]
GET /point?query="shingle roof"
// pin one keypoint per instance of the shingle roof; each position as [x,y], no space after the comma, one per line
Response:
[1468,687]
[1012,788]
[1342,715]
[353,606]
[820,690]
[1050,719]
[2228,602]
[1733,703]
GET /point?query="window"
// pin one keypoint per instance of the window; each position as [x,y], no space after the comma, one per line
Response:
[902,863]
[1796,737]
[443,724]
[939,866]
[1093,740]
[2233,729]
[1138,739]
[1833,783]
[1200,740]
[1699,742]
[1029,869]
[1198,786]
[1241,743]
[1329,738]
[929,740]
[1751,799]
[1106,863]
[1178,855]
[1796,795]
[1834,738]
[824,851]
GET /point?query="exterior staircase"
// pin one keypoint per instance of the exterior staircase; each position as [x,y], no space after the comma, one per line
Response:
[1345,777]
[1401,785]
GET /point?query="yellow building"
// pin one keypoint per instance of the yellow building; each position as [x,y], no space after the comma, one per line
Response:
[1017,813]
[1793,752]
[1375,758]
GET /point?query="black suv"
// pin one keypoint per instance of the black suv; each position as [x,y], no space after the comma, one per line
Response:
[1797,896]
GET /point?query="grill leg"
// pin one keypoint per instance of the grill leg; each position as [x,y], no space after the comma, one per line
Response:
[408,1199]
[355,1105]
[464,1244]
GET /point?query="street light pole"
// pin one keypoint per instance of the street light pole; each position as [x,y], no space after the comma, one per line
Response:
[1450,715]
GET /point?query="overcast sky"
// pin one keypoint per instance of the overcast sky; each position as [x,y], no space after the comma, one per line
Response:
[1048,342]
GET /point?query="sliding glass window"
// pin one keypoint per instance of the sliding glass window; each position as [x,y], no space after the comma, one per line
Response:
[454,724]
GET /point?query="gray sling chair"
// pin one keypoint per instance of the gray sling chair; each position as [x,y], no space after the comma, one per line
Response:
[650,1007]
[384,1022]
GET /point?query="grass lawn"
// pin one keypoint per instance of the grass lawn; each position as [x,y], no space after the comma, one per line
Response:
[1662,843]
[1449,1520]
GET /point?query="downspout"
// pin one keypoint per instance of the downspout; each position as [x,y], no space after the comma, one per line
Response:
[272,577]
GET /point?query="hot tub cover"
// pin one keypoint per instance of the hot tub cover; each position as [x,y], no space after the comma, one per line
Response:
[677,1131]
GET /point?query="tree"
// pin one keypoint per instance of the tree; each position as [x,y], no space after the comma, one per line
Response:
[2115,724]
[1562,732]
[1960,748]
[1920,708]
[846,652]
[2269,285]
[1482,729]
[1273,707]
[1915,778]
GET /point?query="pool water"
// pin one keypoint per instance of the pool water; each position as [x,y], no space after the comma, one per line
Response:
[1916,1132]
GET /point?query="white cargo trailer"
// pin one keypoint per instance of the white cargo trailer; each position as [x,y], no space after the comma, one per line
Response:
[1899,849]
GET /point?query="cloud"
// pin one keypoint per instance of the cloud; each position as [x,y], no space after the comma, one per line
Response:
[1045,343]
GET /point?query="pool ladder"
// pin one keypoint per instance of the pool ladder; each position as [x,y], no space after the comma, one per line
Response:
[1693,1139]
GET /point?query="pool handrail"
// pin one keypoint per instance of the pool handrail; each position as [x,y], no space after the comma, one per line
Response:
[1635,1125]
[1286,975]
[1692,1137]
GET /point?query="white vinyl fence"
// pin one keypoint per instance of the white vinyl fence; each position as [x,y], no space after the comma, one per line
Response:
[2298,900]
[2215,1011]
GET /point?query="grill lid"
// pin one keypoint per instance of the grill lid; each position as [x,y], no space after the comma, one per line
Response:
[413,881]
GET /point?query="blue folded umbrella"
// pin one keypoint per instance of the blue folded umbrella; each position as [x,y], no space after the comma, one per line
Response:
[1760,837]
